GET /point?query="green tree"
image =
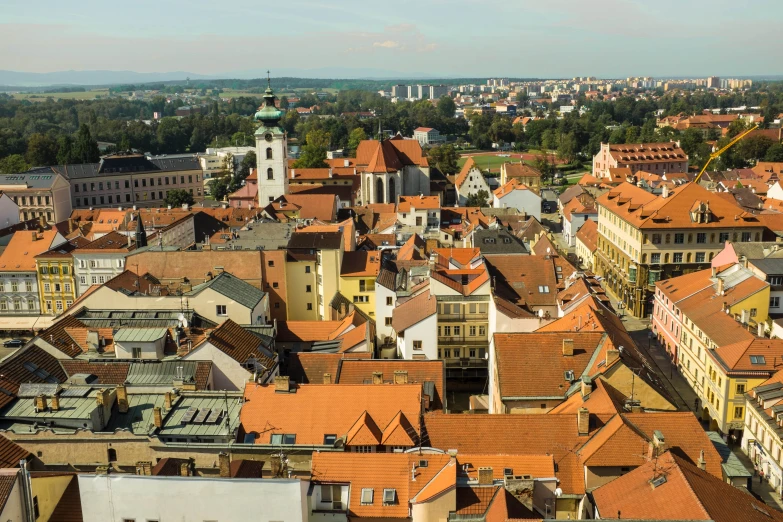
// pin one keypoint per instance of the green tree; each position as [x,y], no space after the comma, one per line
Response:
[218,188]
[284,102]
[41,150]
[357,136]
[567,149]
[314,151]
[124,144]
[85,149]
[445,158]
[446,107]
[179,197]
[648,131]
[248,162]
[13,164]
[478,199]
[545,166]
[753,148]
[171,136]
[774,153]
[65,150]
[522,98]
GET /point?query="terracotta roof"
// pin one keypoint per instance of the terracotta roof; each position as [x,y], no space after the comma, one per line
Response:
[685,493]
[588,234]
[512,185]
[648,211]
[57,335]
[113,241]
[413,311]
[517,377]
[7,481]
[309,410]
[113,373]
[602,399]
[410,203]
[19,255]
[617,444]
[31,364]
[412,249]
[382,471]
[737,357]
[169,266]
[469,165]
[310,367]
[64,250]
[11,453]
[360,371]
[346,227]
[360,264]
[527,281]
[647,153]
[309,206]
[239,344]
[517,170]
[537,466]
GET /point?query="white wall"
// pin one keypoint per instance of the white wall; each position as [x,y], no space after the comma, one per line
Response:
[9,211]
[526,200]
[425,331]
[115,498]
[570,228]
[149,350]
[228,374]
[107,265]
[474,183]
[14,506]
[382,312]
[775,191]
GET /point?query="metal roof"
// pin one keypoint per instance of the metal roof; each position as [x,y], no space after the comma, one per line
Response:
[234,288]
[161,373]
[139,335]
[70,408]
[30,389]
[42,177]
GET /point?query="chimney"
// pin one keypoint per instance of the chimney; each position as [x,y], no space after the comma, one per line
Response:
[167,400]
[721,286]
[282,384]
[102,397]
[665,193]
[702,463]
[658,444]
[157,417]
[583,421]
[224,462]
[714,271]
[55,403]
[184,469]
[377,378]
[744,260]
[327,378]
[144,468]
[40,402]
[568,347]
[587,386]
[35,235]
[637,408]
[400,376]
[612,356]
[485,477]
[122,399]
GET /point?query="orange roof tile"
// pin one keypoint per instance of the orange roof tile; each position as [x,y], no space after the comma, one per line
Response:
[413,311]
[19,255]
[364,432]
[512,185]
[410,203]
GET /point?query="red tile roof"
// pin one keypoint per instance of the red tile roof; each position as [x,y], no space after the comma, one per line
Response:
[413,311]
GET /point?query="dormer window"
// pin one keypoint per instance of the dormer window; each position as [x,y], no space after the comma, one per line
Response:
[757,359]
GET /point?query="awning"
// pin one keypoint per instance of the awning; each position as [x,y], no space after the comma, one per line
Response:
[37,322]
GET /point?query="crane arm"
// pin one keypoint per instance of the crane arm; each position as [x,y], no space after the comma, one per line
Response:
[724,149]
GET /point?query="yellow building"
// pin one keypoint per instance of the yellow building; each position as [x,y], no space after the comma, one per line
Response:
[357,279]
[56,285]
[714,317]
[313,273]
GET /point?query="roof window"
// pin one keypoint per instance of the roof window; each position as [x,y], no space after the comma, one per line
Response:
[367,496]
[543,289]
[757,359]
[389,497]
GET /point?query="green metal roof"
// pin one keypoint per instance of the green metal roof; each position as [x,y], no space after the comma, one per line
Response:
[234,288]
[161,373]
[76,408]
[139,335]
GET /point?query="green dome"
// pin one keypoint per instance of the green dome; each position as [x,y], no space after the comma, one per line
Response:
[269,115]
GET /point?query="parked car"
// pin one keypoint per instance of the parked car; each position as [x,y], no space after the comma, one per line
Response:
[13,343]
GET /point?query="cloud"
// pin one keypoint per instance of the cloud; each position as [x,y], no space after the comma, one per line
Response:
[388,44]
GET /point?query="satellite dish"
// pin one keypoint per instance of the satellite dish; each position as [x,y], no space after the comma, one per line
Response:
[541,313]
[558,492]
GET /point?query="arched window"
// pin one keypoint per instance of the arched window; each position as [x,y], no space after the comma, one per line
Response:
[269,153]
[112,455]
[270,174]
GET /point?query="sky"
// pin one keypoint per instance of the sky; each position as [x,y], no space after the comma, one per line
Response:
[448,38]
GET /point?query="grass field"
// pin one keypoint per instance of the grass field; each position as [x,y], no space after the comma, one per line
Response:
[42,96]
[488,163]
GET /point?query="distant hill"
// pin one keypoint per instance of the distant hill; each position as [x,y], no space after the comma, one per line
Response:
[26,79]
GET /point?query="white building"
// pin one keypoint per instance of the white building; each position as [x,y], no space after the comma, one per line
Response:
[125,497]
[419,211]
[470,181]
[416,324]
[271,150]
[575,213]
[515,194]
[100,260]
[427,135]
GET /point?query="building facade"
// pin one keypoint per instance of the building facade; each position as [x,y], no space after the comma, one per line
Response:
[658,158]
[271,152]
[41,192]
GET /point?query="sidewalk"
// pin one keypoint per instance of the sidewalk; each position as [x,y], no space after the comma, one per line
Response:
[761,490]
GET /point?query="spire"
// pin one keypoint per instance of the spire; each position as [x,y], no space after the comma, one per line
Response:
[269,115]
[141,234]
[268,80]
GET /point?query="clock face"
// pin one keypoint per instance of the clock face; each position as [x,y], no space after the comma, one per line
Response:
[268,136]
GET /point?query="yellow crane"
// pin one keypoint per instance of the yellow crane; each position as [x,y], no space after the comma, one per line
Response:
[724,149]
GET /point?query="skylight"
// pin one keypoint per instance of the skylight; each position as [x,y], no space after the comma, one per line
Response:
[757,359]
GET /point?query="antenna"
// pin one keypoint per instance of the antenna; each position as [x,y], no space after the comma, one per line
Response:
[268,79]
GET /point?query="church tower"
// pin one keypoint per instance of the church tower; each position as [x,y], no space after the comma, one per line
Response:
[271,151]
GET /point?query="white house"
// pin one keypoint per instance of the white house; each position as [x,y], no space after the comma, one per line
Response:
[237,356]
[575,213]
[470,181]
[426,135]
[515,194]
[419,211]
[416,324]
[139,343]
[100,260]
[125,497]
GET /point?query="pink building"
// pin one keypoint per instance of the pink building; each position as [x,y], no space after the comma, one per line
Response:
[658,158]
[247,196]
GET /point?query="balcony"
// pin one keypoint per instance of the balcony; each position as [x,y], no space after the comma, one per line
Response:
[465,362]
[461,340]
[461,318]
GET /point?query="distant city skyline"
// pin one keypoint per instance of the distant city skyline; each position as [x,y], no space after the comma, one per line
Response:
[553,39]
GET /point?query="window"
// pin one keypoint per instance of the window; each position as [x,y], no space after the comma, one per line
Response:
[739,412]
[389,497]
[83,280]
[417,345]
[361,299]
[329,440]
[757,359]
[136,352]
[112,454]
[221,310]
[700,257]
[94,280]
[307,269]
[36,511]
[656,239]
[753,312]
[745,237]
[270,263]
[308,288]
[47,287]
[482,330]
[389,301]
[701,237]
[283,438]
[367,494]
[740,389]
[774,302]
[775,280]
[473,331]
[679,239]
[332,495]
[543,289]
[269,153]
[275,284]
[309,306]
[58,305]
[270,174]
[655,258]
[677,258]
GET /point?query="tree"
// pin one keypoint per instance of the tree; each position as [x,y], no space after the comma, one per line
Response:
[313,154]
[179,197]
[41,150]
[218,188]
[522,98]
[284,102]
[13,164]
[171,136]
[754,147]
[478,199]
[446,107]
[445,158]
[124,144]
[85,149]
[546,167]
[567,149]
[357,136]
[248,162]
[65,150]
[774,153]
